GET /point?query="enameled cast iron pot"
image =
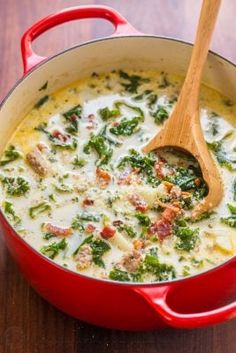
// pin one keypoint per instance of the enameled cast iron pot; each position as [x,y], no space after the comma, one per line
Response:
[200,300]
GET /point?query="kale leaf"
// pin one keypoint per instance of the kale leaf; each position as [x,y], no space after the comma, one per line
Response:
[160,115]
[15,186]
[132,82]
[187,237]
[11,154]
[72,117]
[222,156]
[100,145]
[38,209]
[10,212]
[53,249]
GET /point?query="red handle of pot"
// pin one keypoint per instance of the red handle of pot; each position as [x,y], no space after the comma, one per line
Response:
[157,298]
[30,59]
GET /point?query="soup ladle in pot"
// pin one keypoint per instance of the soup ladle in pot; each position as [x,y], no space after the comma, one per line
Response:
[183,129]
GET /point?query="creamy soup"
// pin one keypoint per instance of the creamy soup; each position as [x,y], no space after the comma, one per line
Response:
[76,186]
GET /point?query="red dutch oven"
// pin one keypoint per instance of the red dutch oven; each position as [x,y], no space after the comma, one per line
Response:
[200,300]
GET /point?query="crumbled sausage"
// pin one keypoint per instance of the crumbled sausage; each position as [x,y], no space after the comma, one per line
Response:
[84,257]
[132,261]
[37,162]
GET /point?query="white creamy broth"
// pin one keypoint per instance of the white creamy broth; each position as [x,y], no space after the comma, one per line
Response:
[76,186]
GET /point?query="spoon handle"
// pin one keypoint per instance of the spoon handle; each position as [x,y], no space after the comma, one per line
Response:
[190,91]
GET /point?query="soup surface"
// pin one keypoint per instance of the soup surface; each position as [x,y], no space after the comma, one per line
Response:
[76,186]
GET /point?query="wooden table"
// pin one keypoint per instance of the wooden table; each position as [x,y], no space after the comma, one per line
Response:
[27,323]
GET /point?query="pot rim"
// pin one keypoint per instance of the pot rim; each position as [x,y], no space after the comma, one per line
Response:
[52,263]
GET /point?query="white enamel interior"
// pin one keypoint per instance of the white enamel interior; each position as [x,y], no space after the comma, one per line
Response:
[142,52]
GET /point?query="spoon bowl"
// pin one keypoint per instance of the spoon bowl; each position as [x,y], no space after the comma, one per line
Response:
[183,128]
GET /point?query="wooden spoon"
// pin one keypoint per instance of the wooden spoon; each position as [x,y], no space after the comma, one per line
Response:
[183,129]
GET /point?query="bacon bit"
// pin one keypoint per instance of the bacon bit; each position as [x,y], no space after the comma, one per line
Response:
[168,185]
[197,181]
[162,228]
[138,203]
[60,136]
[103,178]
[58,231]
[138,244]
[108,232]
[89,228]
[117,223]
[88,202]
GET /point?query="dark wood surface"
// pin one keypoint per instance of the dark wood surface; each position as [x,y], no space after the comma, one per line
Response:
[27,323]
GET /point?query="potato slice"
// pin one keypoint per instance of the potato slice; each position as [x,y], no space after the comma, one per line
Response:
[224,243]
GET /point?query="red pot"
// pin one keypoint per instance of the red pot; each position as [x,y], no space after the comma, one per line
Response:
[196,301]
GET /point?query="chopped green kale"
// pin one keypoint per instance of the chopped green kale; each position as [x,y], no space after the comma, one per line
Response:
[231,220]
[119,275]
[63,188]
[234,189]
[48,236]
[107,113]
[144,163]
[99,144]
[72,117]
[132,82]
[11,154]
[186,237]
[41,102]
[79,162]
[162,271]
[53,249]
[141,96]
[186,178]
[10,212]
[40,208]
[160,115]
[143,219]
[123,276]
[222,156]
[15,186]
[164,82]
[126,127]
[127,230]
[77,222]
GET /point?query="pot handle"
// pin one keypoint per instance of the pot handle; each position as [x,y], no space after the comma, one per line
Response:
[30,59]
[158,301]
